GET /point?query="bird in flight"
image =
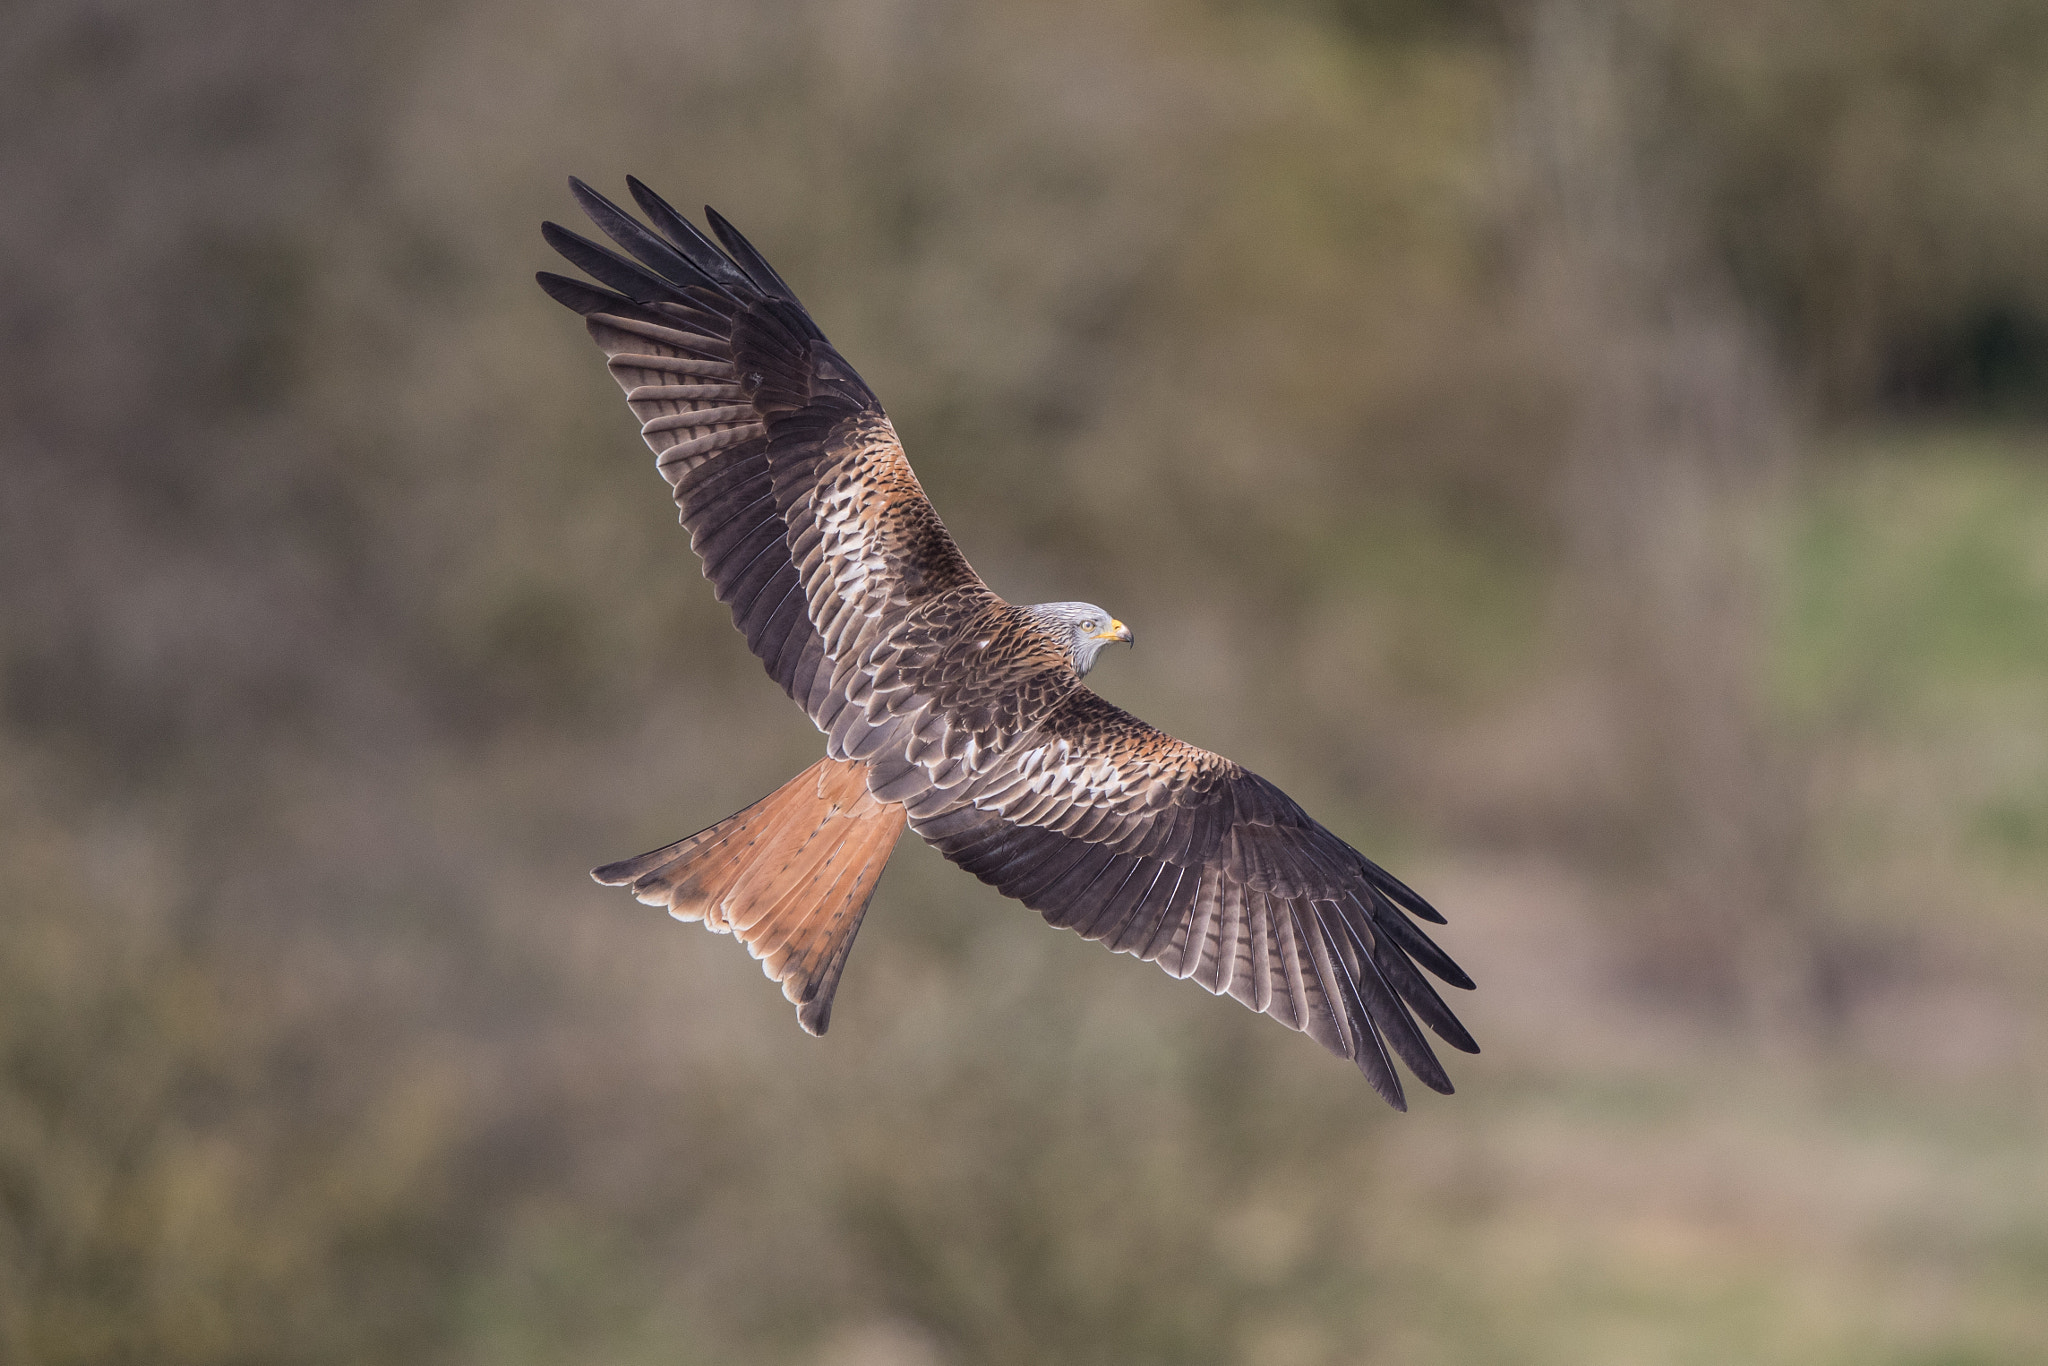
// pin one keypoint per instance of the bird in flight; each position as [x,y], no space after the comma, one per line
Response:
[945,708]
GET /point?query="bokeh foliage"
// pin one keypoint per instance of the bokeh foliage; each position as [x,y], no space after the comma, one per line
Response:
[342,624]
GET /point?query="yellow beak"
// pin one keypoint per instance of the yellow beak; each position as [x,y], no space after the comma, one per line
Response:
[1117,631]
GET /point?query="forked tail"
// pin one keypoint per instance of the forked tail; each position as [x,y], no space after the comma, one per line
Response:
[790,876]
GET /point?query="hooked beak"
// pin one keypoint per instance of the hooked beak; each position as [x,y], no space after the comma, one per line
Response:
[1117,631]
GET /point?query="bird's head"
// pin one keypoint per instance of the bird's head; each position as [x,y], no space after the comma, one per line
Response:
[1087,628]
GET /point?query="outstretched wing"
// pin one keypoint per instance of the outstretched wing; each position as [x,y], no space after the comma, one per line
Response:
[810,524]
[815,532]
[1128,836]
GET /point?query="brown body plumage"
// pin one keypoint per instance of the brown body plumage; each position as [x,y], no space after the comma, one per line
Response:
[945,707]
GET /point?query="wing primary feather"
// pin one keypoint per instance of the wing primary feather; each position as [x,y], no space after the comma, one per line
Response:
[1395,1025]
[668,365]
[1401,892]
[1367,1052]
[697,417]
[1417,945]
[712,348]
[682,393]
[652,251]
[579,296]
[1417,992]
[692,313]
[756,266]
[633,360]
[701,250]
[607,267]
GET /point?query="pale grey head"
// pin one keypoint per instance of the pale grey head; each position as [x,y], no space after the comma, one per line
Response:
[1087,628]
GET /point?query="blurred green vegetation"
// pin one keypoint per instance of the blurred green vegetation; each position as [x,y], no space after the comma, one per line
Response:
[1398,369]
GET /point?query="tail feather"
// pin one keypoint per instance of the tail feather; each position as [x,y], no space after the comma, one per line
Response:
[790,877]
[816,957]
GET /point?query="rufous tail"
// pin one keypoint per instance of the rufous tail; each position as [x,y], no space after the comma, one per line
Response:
[790,876]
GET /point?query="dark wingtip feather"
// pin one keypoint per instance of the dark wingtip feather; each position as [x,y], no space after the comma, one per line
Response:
[681,232]
[1401,893]
[1384,1083]
[743,254]
[580,296]
[759,271]
[1434,1013]
[1380,1023]
[607,267]
[646,246]
[1439,1082]
[1452,1031]
[1368,1050]
[1397,1027]
[1429,1007]
[1415,943]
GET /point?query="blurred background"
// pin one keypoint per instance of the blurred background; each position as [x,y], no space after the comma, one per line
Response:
[1593,453]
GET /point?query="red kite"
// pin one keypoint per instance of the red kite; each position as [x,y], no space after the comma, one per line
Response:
[946,708]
